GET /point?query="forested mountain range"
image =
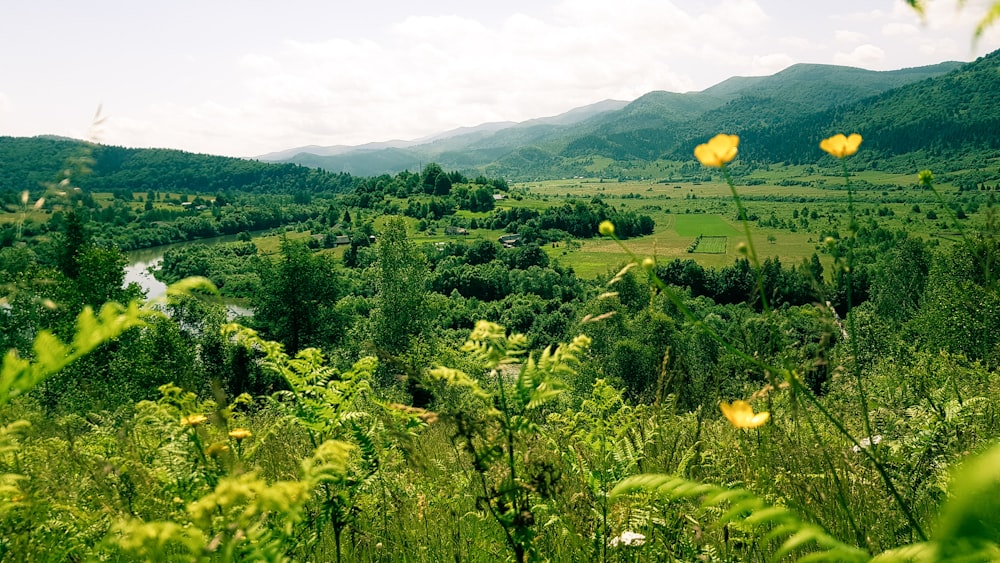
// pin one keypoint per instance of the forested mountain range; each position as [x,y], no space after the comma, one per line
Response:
[30,162]
[807,99]
[941,110]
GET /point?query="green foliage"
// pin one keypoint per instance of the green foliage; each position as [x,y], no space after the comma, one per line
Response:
[400,313]
[493,437]
[19,375]
[771,523]
[295,303]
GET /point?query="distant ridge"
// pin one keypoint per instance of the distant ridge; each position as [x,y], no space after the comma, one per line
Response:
[655,125]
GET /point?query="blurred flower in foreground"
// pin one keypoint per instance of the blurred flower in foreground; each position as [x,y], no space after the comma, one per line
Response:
[841,146]
[239,434]
[628,539]
[741,415]
[926,178]
[867,443]
[606,228]
[719,150]
[193,420]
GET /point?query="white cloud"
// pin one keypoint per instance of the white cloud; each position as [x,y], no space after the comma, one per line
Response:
[428,71]
[770,64]
[898,29]
[435,73]
[847,36]
[865,56]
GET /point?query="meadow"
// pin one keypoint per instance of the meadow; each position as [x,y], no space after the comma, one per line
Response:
[791,220]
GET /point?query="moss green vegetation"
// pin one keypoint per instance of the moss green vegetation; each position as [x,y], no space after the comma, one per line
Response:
[349,422]
[758,359]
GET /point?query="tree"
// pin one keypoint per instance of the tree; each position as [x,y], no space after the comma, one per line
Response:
[429,176]
[899,280]
[74,239]
[442,185]
[816,269]
[295,303]
[400,312]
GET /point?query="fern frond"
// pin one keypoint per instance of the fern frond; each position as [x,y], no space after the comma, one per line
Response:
[746,508]
[18,375]
[458,378]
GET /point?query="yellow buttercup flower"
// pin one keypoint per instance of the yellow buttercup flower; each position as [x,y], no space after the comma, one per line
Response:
[741,415]
[719,150]
[240,434]
[841,146]
[606,228]
[193,419]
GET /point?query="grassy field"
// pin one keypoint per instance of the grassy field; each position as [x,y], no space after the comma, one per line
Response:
[711,245]
[709,225]
[789,220]
[791,212]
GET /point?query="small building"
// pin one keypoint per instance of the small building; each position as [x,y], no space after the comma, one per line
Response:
[342,239]
[455,231]
[499,197]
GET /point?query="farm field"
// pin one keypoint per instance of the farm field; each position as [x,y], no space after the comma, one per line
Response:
[787,222]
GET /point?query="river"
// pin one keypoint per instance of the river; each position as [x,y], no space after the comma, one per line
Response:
[142,263]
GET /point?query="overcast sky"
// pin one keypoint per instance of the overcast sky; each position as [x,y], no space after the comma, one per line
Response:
[243,78]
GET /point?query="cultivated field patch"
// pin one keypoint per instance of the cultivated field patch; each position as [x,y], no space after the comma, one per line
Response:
[702,224]
[711,245]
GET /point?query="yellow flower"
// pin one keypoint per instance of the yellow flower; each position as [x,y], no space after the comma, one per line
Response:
[719,150]
[193,419]
[926,178]
[741,415]
[240,434]
[606,228]
[841,146]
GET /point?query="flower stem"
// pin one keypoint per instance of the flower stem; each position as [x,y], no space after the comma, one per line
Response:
[741,213]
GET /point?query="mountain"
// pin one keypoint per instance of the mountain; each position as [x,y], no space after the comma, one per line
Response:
[333,150]
[31,163]
[946,116]
[658,123]
[463,148]
[655,125]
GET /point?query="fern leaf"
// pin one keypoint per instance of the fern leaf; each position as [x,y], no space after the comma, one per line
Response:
[748,509]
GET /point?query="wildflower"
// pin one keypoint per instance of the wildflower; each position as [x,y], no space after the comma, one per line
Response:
[719,150]
[741,415]
[606,228]
[240,434]
[926,178]
[193,419]
[841,146]
[866,443]
[216,449]
[648,263]
[628,539]
[39,203]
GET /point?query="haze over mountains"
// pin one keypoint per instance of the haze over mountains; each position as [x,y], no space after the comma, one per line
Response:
[944,117]
[808,98]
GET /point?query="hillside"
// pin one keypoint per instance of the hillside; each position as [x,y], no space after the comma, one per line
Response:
[29,163]
[655,125]
[944,116]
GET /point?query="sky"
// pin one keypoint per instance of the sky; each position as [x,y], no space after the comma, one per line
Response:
[248,77]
